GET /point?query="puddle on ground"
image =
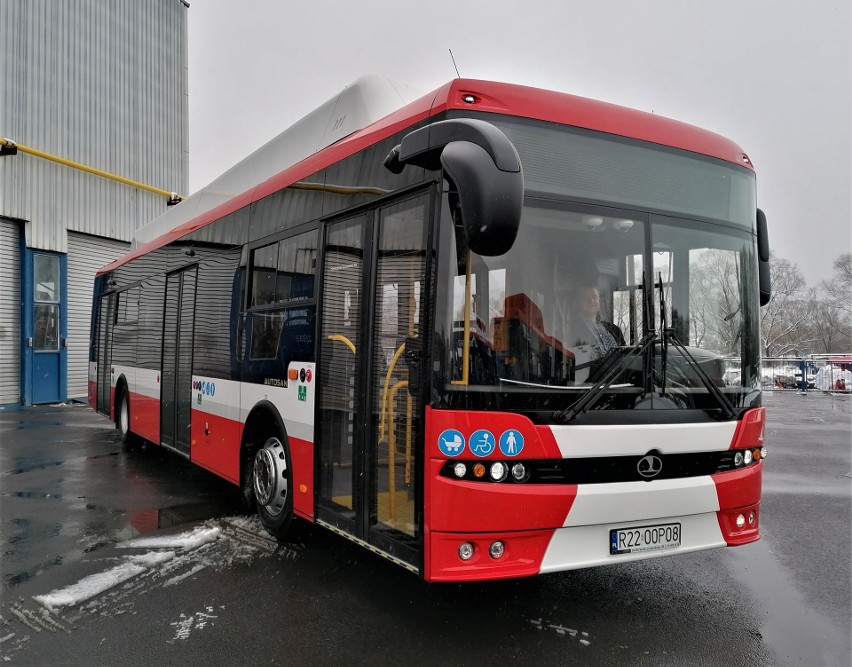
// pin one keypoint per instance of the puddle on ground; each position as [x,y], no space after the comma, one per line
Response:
[138,522]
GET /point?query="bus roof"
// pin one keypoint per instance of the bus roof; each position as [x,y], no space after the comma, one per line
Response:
[309,146]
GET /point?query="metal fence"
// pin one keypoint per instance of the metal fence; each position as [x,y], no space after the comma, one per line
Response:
[824,372]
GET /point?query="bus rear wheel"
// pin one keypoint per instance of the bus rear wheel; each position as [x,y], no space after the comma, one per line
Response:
[271,480]
[123,420]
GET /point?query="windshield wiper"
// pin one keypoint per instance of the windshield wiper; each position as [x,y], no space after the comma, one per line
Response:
[670,337]
[613,367]
[588,401]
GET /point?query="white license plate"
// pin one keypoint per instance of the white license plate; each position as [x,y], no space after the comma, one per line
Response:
[644,538]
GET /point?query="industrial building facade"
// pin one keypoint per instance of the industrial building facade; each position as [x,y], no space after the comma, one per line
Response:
[96,83]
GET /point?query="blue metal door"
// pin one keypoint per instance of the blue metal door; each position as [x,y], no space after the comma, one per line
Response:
[47,340]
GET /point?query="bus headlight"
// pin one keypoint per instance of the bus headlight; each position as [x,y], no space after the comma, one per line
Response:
[499,471]
[747,456]
[460,469]
[519,472]
[738,459]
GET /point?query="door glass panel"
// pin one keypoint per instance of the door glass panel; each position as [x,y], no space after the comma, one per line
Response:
[341,346]
[46,277]
[46,328]
[395,405]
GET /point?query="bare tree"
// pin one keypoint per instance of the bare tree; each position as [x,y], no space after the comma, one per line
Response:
[838,297]
[786,320]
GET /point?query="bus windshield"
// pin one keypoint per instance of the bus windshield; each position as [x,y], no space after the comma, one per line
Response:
[660,307]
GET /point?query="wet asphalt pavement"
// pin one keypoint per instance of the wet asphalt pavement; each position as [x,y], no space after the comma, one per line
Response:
[216,590]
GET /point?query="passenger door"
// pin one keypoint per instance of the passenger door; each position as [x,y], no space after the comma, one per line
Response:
[176,383]
[370,410]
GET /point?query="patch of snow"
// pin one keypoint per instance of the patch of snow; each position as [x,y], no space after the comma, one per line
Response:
[185,541]
[89,587]
[196,621]
[181,577]
[152,558]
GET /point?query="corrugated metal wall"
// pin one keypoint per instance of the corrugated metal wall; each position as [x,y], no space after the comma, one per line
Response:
[86,254]
[10,313]
[99,82]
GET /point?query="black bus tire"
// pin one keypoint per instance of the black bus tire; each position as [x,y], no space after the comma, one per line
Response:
[122,420]
[272,485]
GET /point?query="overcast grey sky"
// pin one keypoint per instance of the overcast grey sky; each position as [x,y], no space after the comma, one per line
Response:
[773,75]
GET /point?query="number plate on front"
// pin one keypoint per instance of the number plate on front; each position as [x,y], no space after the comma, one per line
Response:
[644,538]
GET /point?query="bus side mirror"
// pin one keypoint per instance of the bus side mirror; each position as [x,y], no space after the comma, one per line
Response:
[763,259]
[485,171]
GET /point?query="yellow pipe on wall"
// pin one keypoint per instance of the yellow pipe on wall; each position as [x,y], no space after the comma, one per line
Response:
[8,143]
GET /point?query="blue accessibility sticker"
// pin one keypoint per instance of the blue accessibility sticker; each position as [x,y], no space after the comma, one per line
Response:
[511,443]
[482,442]
[451,442]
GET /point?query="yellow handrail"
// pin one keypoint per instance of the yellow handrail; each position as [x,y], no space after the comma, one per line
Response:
[343,339]
[174,197]
[391,368]
[392,449]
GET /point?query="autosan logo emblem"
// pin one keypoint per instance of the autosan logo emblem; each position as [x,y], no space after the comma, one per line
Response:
[649,466]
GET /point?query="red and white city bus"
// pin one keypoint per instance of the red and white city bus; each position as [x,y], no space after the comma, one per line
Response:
[485,336]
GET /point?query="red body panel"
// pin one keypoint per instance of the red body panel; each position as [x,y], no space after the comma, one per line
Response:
[145,417]
[302,457]
[216,444]
[93,395]
[484,507]
[522,558]
[739,493]
[749,431]
[739,488]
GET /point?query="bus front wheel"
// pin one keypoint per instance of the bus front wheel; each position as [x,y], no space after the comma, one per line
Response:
[271,481]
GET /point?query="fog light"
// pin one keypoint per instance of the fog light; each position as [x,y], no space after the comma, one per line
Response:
[496,550]
[747,456]
[479,470]
[460,469]
[763,452]
[499,471]
[751,518]
[738,459]
[465,551]
[519,472]
[740,521]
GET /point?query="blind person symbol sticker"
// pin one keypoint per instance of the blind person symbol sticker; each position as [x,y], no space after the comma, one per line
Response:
[511,443]
[451,442]
[482,442]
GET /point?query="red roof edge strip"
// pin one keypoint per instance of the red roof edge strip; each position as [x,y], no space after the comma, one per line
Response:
[490,97]
[590,114]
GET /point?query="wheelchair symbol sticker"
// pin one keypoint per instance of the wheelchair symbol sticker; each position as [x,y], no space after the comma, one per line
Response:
[511,443]
[482,442]
[451,442]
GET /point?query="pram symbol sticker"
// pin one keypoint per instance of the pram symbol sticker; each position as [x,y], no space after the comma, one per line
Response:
[451,442]
[511,442]
[482,442]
